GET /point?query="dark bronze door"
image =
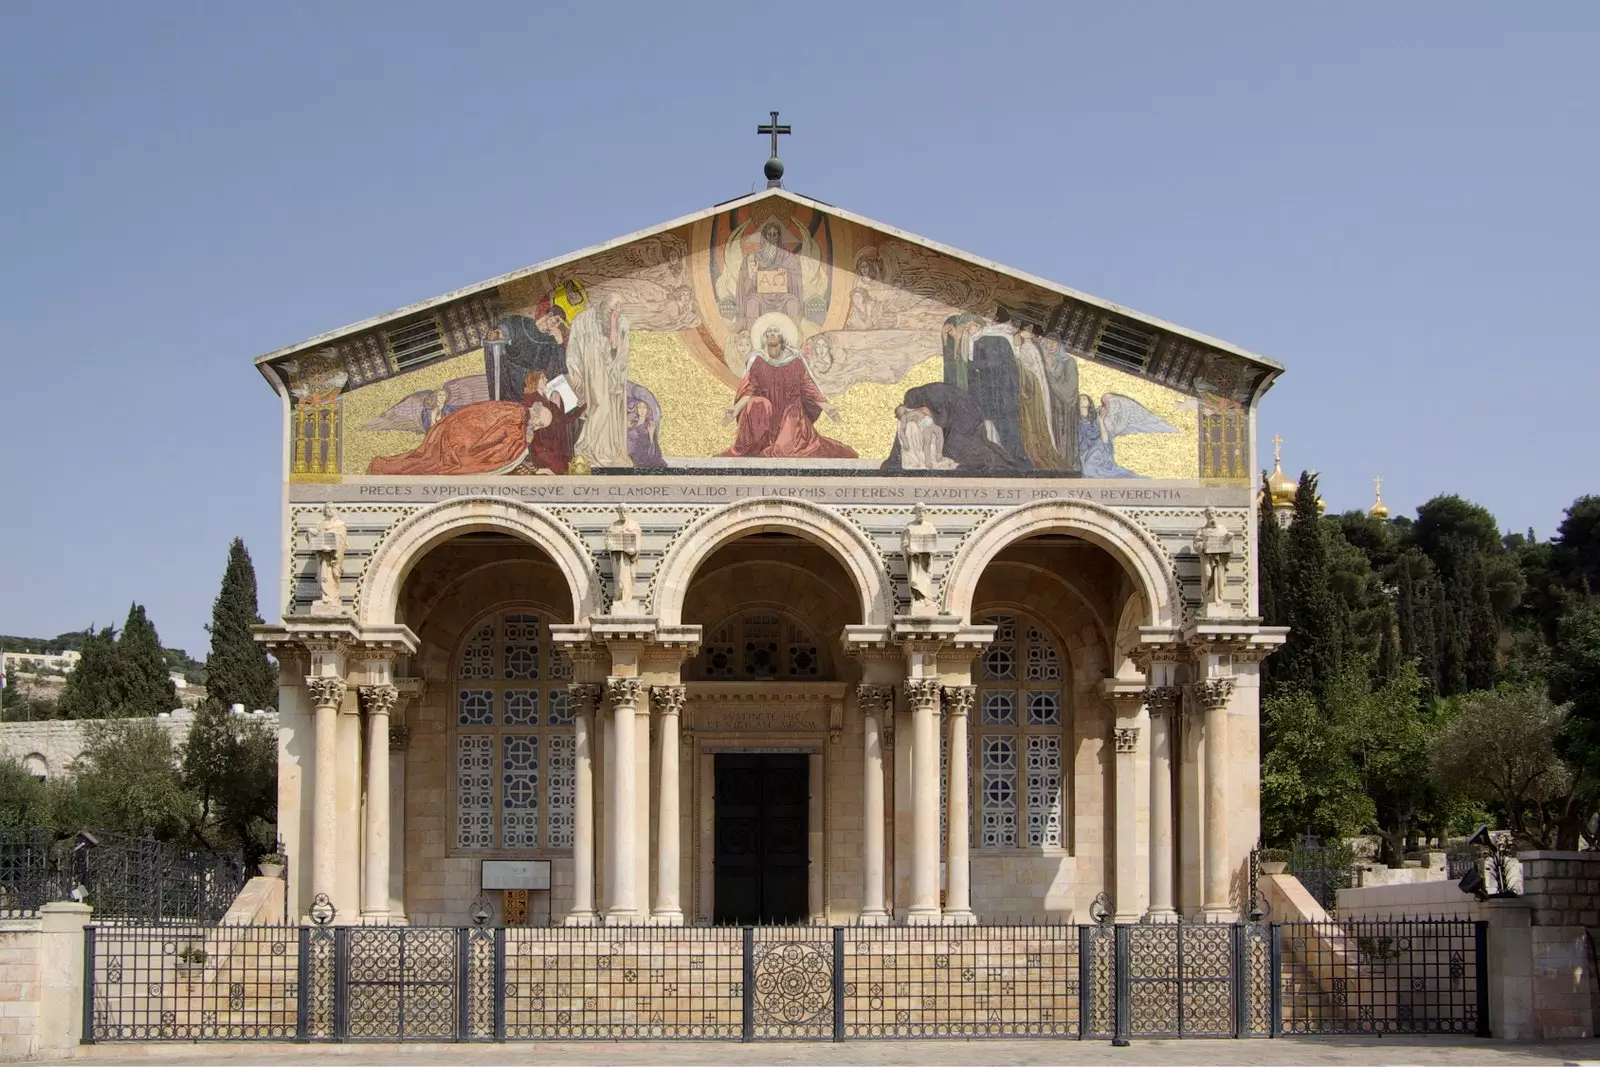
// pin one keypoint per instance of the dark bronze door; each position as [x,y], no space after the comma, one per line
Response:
[762,802]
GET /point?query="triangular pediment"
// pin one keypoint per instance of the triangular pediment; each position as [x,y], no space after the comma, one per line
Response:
[772,331]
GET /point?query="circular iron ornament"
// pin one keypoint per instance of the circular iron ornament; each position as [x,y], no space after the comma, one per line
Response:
[794,983]
[1102,910]
[322,911]
[482,910]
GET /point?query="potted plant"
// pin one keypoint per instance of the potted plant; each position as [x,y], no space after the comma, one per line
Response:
[1274,860]
[271,864]
[191,957]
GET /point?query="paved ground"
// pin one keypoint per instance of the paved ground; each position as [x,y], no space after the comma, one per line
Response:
[1282,1052]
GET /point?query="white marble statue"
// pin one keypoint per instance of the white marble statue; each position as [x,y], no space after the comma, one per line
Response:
[917,543]
[328,541]
[1214,544]
[623,538]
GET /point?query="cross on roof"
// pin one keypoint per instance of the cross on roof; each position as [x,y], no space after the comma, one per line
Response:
[1277,450]
[774,167]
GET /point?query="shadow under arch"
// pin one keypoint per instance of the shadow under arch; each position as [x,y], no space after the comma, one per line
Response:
[1125,540]
[425,529]
[822,526]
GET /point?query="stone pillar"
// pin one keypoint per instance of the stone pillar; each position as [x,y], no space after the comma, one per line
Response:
[958,703]
[1125,817]
[61,980]
[876,702]
[326,693]
[378,701]
[348,838]
[1213,697]
[399,741]
[622,866]
[585,699]
[922,694]
[667,702]
[1164,702]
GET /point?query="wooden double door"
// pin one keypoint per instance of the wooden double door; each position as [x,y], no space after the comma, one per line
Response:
[761,840]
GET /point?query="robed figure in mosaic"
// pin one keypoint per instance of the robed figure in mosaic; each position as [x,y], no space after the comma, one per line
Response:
[778,402]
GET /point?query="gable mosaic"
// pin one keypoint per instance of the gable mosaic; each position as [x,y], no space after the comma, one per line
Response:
[774,336]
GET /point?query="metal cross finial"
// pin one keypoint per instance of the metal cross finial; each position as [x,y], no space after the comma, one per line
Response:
[1377,484]
[774,129]
[1277,450]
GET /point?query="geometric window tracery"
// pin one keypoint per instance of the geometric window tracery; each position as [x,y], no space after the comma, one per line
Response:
[759,644]
[1017,738]
[515,747]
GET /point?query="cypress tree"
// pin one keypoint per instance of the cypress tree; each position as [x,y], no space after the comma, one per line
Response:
[1313,655]
[1271,566]
[237,669]
[94,689]
[1481,627]
[147,687]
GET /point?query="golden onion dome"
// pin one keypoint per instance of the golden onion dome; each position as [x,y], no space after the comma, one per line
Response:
[1379,510]
[1280,486]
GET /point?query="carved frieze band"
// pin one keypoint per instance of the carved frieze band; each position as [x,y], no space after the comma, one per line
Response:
[623,692]
[378,699]
[1213,695]
[325,692]
[668,699]
[1126,739]
[922,694]
[959,700]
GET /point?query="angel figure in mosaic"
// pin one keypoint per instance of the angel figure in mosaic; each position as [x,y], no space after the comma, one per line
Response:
[1099,426]
[417,412]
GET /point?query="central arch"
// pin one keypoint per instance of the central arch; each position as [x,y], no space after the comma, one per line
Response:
[821,526]
[1127,542]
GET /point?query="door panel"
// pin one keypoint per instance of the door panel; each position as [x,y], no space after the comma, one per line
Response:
[762,807]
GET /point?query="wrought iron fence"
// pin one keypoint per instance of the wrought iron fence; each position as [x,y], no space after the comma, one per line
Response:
[481,983]
[1323,869]
[123,877]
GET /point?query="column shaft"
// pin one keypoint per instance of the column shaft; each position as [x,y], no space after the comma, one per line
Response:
[622,843]
[958,701]
[1125,739]
[667,911]
[923,696]
[585,700]
[325,694]
[1217,865]
[379,701]
[1163,705]
[874,701]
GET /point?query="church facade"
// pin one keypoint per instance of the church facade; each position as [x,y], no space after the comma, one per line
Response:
[768,565]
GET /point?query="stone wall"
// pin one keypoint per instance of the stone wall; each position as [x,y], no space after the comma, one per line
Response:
[48,748]
[41,982]
[1414,900]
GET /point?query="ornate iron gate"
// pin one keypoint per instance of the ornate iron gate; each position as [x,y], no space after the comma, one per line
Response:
[481,983]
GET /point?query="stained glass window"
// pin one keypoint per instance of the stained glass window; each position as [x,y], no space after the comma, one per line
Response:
[515,767]
[1017,738]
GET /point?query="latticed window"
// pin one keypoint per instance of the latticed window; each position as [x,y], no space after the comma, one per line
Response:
[515,751]
[761,644]
[1017,738]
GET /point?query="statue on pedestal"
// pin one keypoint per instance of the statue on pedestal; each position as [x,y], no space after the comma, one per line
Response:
[328,541]
[1214,545]
[918,541]
[623,538]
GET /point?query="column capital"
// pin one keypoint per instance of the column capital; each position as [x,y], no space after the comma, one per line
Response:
[1164,699]
[325,691]
[378,699]
[399,737]
[586,697]
[623,692]
[1126,739]
[922,694]
[668,699]
[1213,695]
[875,699]
[959,700]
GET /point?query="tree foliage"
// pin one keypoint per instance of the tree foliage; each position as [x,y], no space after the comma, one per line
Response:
[147,687]
[237,669]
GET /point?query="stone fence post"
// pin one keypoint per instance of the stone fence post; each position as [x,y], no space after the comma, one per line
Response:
[61,977]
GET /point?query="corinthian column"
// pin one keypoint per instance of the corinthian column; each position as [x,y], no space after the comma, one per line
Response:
[622,869]
[1213,696]
[667,701]
[326,693]
[875,702]
[378,701]
[585,699]
[923,696]
[958,702]
[1163,702]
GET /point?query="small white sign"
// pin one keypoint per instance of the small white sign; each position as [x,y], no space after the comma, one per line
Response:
[516,874]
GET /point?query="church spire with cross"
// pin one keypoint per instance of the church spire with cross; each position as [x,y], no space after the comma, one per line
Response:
[774,167]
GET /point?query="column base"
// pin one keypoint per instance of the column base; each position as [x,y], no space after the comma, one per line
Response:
[374,918]
[924,916]
[581,918]
[674,917]
[624,918]
[1161,915]
[960,918]
[1125,918]
[876,917]
[1217,913]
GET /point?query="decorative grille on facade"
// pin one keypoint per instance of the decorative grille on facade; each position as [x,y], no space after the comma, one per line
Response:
[513,738]
[1017,738]
[756,645]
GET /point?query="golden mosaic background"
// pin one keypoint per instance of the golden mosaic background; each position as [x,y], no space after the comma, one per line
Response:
[367,403]
[1154,455]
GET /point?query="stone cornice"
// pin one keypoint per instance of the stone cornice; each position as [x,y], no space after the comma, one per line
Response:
[295,634]
[766,692]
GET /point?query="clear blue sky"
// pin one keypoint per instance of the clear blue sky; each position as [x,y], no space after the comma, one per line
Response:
[1397,201]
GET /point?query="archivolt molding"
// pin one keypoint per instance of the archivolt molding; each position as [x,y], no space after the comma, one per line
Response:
[820,525]
[1141,555]
[411,538]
